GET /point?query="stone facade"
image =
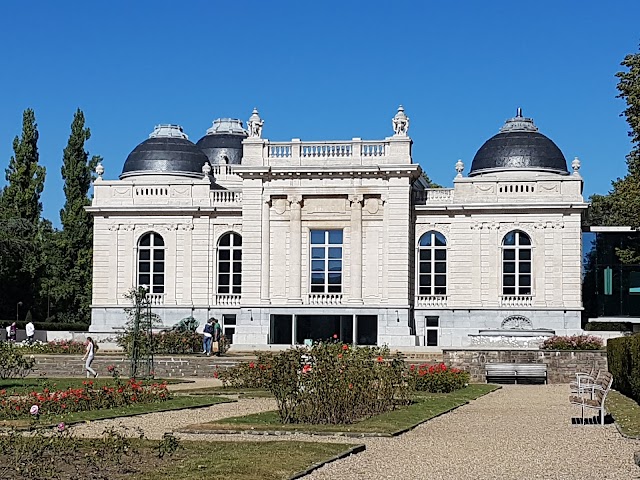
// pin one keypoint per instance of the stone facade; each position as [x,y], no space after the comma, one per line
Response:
[281,194]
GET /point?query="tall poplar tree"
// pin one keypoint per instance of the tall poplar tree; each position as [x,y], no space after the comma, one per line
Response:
[73,287]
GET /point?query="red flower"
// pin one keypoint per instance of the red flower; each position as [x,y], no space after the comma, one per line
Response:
[339,355]
[345,347]
[215,374]
[306,368]
[380,359]
[335,336]
[412,368]
[351,385]
[252,365]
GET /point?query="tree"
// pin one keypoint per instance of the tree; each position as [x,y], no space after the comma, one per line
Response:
[72,288]
[430,183]
[621,206]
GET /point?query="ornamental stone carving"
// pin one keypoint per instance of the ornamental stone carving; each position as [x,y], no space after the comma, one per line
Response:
[279,205]
[206,170]
[517,322]
[459,168]
[575,165]
[99,171]
[255,124]
[400,123]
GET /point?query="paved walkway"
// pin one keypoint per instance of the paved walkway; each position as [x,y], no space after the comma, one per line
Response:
[518,432]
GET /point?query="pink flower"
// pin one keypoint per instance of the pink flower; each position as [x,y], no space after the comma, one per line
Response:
[335,336]
[61,427]
[34,410]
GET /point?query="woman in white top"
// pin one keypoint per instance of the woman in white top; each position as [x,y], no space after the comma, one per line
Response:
[88,357]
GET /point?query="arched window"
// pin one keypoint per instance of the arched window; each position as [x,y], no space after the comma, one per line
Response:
[230,264]
[432,264]
[151,262]
[516,264]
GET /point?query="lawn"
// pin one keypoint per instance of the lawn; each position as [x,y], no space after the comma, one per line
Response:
[139,459]
[30,384]
[626,413]
[423,408]
[178,402]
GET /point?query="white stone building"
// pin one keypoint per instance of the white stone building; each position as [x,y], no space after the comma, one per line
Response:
[288,241]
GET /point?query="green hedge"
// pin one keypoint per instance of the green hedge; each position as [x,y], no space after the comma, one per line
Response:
[55,326]
[623,357]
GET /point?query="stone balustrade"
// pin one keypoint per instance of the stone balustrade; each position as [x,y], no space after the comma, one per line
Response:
[228,300]
[155,298]
[226,197]
[324,299]
[354,150]
[516,301]
[432,301]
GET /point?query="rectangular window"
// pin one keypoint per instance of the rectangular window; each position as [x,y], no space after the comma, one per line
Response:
[326,261]
[432,325]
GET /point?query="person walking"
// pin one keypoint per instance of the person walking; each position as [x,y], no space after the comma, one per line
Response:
[31,331]
[89,354]
[13,330]
[207,336]
[217,335]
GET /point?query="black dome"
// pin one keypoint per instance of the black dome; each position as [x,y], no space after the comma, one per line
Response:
[519,146]
[167,151]
[223,142]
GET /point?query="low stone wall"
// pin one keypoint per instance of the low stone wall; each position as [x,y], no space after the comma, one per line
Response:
[561,365]
[165,366]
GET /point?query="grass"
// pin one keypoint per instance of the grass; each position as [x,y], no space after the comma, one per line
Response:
[29,384]
[424,407]
[240,392]
[176,403]
[626,413]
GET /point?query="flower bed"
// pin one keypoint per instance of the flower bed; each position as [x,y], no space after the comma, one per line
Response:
[69,347]
[574,342]
[437,378]
[89,397]
[170,343]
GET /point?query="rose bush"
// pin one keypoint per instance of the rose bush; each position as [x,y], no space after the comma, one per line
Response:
[13,364]
[574,342]
[169,342]
[437,378]
[69,347]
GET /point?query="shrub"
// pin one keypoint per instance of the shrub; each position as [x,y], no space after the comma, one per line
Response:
[623,359]
[437,378]
[329,383]
[69,347]
[12,363]
[169,342]
[574,342]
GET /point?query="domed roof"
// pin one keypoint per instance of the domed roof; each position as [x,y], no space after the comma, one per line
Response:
[519,146]
[223,142]
[166,151]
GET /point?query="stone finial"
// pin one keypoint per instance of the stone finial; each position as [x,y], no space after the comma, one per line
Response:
[168,131]
[255,124]
[206,170]
[400,123]
[575,164]
[459,168]
[99,171]
[519,123]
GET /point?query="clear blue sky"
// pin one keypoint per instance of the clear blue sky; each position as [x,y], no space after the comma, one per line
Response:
[318,71]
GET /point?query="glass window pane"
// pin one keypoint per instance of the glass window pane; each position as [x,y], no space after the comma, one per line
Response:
[525,254]
[145,241]
[158,289]
[525,267]
[441,280]
[335,265]
[158,267]
[317,288]
[317,236]
[440,290]
[335,237]
[157,240]
[225,240]
[317,278]
[317,252]
[509,239]
[525,291]
[237,240]
[335,278]
[223,279]
[425,240]
[425,267]
[223,288]
[509,291]
[440,240]
[425,254]
[236,289]
[509,280]
[224,255]
[425,290]
[441,267]
[158,254]
[509,267]
[317,265]
[158,279]
[237,279]
[425,280]
[145,255]
[508,254]
[334,288]
[144,267]
[335,252]
[524,280]
[224,267]
[237,254]
[524,239]
[441,254]
[433,321]
[144,279]
[432,338]
[237,267]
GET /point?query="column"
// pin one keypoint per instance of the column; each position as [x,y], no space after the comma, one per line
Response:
[295,248]
[265,291]
[355,271]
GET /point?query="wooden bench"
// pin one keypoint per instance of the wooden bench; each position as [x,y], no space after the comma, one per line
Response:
[516,371]
[594,396]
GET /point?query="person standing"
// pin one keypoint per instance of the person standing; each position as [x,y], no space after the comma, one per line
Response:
[31,331]
[89,354]
[217,335]
[207,336]
[13,330]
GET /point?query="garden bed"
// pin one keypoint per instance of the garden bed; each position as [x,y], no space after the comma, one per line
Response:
[425,406]
[29,384]
[625,412]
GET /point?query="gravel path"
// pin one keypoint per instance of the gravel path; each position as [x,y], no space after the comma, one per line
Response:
[518,432]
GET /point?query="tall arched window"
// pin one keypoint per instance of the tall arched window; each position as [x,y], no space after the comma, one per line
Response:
[230,263]
[516,264]
[151,262]
[432,264]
